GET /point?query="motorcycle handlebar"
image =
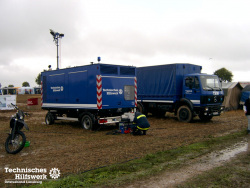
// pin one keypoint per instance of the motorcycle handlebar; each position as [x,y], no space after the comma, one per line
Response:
[16,107]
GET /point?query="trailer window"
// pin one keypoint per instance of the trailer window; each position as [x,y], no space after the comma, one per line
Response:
[108,69]
[129,93]
[127,71]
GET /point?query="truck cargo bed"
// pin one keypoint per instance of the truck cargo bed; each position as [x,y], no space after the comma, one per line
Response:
[163,82]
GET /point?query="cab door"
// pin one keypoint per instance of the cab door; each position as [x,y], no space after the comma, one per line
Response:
[192,89]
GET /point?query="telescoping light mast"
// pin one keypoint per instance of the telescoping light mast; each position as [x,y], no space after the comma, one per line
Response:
[56,37]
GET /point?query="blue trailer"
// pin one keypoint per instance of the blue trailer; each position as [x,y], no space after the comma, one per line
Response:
[94,94]
[179,88]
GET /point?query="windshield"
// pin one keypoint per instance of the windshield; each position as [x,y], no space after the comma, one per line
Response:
[210,82]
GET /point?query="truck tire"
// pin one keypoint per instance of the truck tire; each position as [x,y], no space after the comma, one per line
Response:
[184,114]
[87,121]
[49,119]
[140,107]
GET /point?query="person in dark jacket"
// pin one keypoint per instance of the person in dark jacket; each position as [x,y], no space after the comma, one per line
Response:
[140,124]
[246,109]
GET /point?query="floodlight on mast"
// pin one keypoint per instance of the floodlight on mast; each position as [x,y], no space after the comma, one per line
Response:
[56,37]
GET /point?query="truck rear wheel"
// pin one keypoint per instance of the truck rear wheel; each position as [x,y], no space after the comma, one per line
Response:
[87,121]
[184,114]
[140,107]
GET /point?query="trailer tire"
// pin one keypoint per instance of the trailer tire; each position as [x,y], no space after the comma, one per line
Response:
[87,121]
[49,119]
[184,114]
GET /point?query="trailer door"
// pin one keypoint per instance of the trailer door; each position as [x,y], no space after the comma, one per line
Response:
[118,92]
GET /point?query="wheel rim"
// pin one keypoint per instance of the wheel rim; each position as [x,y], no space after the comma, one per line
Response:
[48,120]
[86,123]
[184,114]
[14,145]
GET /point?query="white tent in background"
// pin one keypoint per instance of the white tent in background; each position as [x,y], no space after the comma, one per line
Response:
[26,90]
[232,93]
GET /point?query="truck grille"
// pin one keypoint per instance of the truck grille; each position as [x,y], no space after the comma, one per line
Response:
[212,99]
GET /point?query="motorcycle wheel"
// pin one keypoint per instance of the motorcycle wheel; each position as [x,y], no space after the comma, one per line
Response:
[16,145]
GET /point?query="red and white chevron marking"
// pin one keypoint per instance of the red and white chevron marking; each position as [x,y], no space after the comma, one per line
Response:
[135,92]
[99,91]
[41,93]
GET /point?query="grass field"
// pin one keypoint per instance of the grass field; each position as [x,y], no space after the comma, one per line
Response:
[73,150]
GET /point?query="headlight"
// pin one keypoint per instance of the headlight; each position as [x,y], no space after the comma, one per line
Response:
[206,109]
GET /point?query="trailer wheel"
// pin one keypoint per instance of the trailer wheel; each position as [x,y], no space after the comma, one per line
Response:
[49,119]
[87,121]
[184,114]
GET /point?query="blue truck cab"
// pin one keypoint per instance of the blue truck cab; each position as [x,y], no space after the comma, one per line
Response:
[179,88]
[204,96]
[93,94]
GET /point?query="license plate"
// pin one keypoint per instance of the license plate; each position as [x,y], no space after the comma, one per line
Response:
[216,113]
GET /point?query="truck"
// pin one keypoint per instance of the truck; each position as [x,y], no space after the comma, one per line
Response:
[94,94]
[181,89]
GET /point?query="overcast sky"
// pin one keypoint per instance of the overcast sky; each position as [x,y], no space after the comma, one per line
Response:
[211,33]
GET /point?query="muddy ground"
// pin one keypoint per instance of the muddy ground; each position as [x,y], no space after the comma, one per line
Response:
[200,171]
[68,147]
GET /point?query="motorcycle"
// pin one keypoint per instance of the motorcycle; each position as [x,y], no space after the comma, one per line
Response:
[16,140]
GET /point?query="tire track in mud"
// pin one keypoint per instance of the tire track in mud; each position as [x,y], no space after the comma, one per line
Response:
[195,166]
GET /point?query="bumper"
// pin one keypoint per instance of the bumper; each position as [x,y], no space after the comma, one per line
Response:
[109,120]
[212,110]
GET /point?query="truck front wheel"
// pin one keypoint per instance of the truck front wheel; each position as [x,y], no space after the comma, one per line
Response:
[87,121]
[184,114]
